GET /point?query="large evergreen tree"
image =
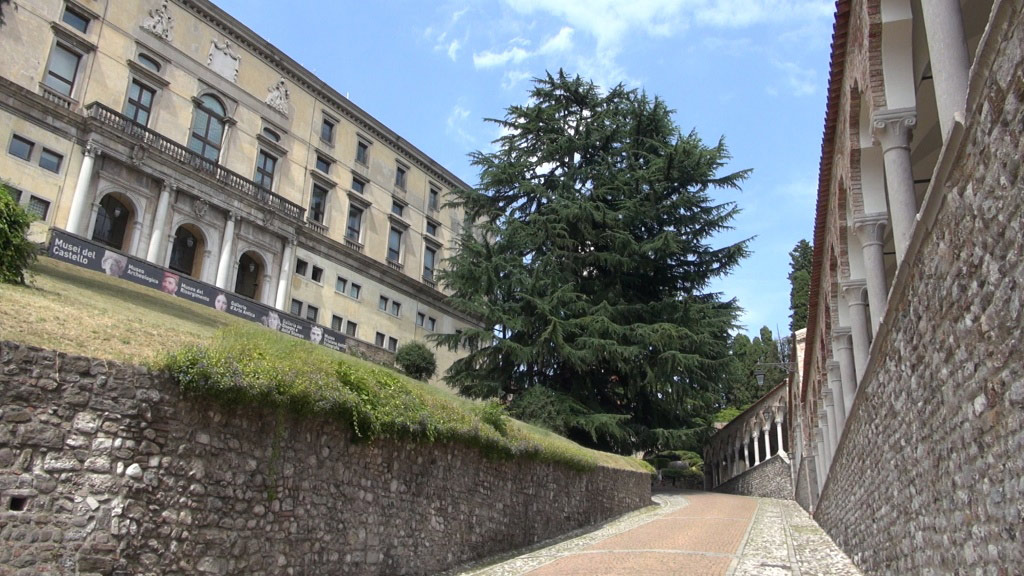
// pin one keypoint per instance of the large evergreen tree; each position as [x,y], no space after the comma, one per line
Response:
[587,254]
[799,284]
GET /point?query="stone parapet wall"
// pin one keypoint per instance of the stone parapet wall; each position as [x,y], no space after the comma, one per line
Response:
[106,469]
[806,480]
[770,479]
[928,477]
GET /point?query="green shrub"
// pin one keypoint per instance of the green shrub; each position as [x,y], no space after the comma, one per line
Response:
[16,251]
[658,463]
[416,360]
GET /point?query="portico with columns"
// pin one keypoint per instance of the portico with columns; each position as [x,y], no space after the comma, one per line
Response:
[756,436]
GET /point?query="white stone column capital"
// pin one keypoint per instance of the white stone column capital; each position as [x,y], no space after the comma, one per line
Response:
[854,291]
[871,228]
[832,367]
[91,149]
[894,128]
[841,337]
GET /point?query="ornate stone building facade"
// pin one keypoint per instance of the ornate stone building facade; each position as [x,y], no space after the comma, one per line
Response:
[170,132]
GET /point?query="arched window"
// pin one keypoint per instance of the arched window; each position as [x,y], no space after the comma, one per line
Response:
[247,281]
[111,222]
[207,128]
[183,251]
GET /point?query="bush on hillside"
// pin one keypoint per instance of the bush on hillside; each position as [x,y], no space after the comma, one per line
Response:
[416,360]
[16,251]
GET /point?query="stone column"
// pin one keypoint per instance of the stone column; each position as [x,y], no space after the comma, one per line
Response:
[854,291]
[78,218]
[871,231]
[136,237]
[819,462]
[757,447]
[746,456]
[286,275]
[893,129]
[833,422]
[826,432]
[947,49]
[835,383]
[842,348]
[227,248]
[265,289]
[778,434]
[159,233]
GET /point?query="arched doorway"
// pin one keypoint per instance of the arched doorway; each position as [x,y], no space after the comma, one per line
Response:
[112,222]
[186,251]
[250,270]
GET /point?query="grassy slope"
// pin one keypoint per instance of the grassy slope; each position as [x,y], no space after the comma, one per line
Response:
[83,312]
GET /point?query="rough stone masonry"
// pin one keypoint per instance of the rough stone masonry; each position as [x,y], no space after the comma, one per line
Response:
[106,469]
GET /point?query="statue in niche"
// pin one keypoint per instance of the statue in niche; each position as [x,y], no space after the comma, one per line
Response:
[277,97]
[223,60]
[160,22]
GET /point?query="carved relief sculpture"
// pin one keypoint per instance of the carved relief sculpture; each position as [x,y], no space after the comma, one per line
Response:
[160,22]
[277,97]
[223,60]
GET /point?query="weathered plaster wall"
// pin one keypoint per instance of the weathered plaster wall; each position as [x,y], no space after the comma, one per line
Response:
[929,477]
[771,479]
[106,469]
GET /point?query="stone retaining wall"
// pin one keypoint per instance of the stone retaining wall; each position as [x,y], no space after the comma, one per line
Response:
[770,479]
[106,469]
[929,477]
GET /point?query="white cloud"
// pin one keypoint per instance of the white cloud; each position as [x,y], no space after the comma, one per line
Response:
[456,124]
[453,50]
[488,59]
[561,42]
[802,81]
[513,77]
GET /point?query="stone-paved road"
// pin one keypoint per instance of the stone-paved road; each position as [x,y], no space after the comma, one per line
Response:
[690,533]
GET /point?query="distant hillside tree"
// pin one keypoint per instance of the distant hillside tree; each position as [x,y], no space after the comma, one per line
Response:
[588,257]
[799,284]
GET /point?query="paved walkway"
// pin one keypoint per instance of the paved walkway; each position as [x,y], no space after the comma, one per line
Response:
[691,533]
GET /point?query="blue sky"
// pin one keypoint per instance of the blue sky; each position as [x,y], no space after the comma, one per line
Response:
[754,71]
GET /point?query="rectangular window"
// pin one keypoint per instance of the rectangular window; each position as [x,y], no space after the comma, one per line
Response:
[301,266]
[60,76]
[358,185]
[317,275]
[318,204]
[431,228]
[140,103]
[383,303]
[323,164]
[340,285]
[392,343]
[14,193]
[354,290]
[265,165]
[351,328]
[396,308]
[355,223]
[50,160]
[337,323]
[395,245]
[420,318]
[433,199]
[431,324]
[379,339]
[38,207]
[311,313]
[397,208]
[20,147]
[327,130]
[75,19]
[362,152]
[400,177]
[429,258]
[296,307]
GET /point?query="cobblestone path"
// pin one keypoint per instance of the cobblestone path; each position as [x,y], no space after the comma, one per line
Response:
[689,533]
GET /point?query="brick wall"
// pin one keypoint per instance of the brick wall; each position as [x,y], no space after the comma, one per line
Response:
[106,469]
[770,479]
[929,478]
